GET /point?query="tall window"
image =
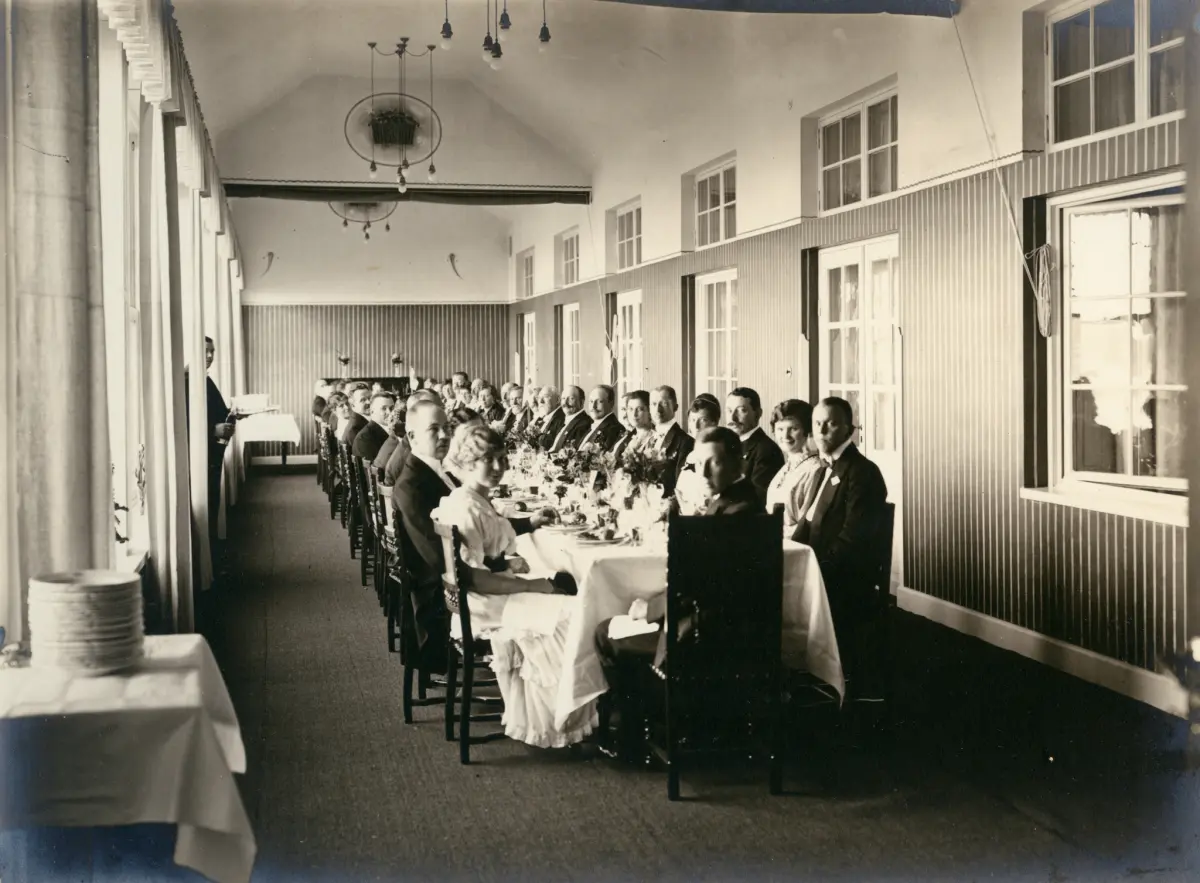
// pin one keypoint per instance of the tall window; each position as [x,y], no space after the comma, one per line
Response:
[629,237]
[1124,394]
[525,274]
[528,348]
[716,333]
[570,345]
[570,258]
[847,156]
[1114,64]
[627,337]
[716,205]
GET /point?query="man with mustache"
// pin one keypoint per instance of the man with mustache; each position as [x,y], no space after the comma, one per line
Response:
[762,457]
[576,422]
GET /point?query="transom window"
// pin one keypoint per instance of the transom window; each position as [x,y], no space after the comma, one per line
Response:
[1124,395]
[629,238]
[846,153]
[716,205]
[1114,64]
[570,258]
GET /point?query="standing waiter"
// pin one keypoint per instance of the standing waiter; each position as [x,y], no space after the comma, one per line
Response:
[220,422]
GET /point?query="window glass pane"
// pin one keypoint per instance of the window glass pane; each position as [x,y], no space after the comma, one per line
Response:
[850,356]
[851,135]
[1099,260]
[702,194]
[1157,253]
[719,307]
[1166,80]
[1157,339]
[881,354]
[733,303]
[880,171]
[638,255]
[733,363]
[1168,20]
[1072,45]
[851,182]
[637,215]
[883,421]
[1099,422]
[850,293]
[714,226]
[879,124]
[730,177]
[1073,109]
[714,191]
[894,101]
[1158,419]
[702,230]
[730,221]
[831,188]
[881,290]
[719,365]
[831,144]
[855,399]
[1100,342]
[1112,30]
[1114,93]
[835,355]
[835,294]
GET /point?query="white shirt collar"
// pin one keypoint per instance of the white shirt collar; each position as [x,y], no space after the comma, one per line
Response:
[434,464]
[837,454]
[661,429]
[745,436]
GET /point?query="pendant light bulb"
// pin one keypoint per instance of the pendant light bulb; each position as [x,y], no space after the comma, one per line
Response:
[544,38]
[497,60]
[403,185]
[505,22]
[487,47]
[387,228]
[345,224]
[374,170]
[432,178]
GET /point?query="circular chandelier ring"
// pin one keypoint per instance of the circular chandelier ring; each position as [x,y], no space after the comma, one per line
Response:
[413,158]
[391,211]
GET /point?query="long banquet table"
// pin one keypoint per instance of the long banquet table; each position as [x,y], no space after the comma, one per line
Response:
[159,745]
[610,578]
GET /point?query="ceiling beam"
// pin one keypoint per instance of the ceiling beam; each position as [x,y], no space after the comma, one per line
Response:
[345,191]
[937,8]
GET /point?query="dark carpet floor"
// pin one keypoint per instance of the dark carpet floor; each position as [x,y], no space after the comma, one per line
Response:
[339,788]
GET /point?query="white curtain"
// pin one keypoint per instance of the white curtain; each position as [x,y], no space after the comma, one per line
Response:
[10,572]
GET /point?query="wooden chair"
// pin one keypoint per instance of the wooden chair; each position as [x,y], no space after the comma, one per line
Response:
[363,520]
[467,654]
[317,430]
[871,650]
[379,549]
[722,676]
[329,446]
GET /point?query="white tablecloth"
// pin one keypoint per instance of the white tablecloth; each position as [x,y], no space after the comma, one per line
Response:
[611,577]
[158,745]
[272,427]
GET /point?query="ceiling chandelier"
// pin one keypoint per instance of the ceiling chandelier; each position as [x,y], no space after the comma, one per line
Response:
[396,129]
[364,213]
[497,15]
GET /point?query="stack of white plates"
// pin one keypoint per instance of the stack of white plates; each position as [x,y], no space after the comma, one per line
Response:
[86,622]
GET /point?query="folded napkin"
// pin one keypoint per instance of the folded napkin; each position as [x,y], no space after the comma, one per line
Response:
[626,627]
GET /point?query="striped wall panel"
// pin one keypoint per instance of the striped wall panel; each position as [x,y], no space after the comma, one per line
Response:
[1106,583]
[289,347]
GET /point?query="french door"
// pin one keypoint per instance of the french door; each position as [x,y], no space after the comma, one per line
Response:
[860,356]
[529,349]
[717,333]
[570,345]
[629,341]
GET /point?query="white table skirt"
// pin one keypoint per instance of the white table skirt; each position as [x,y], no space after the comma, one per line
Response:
[264,428]
[159,745]
[610,578]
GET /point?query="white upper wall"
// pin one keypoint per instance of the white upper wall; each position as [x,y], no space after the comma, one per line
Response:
[758,115]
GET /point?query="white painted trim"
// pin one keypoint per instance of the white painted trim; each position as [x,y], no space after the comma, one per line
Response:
[251,298]
[1130,503]
[293,460]
[1161,691]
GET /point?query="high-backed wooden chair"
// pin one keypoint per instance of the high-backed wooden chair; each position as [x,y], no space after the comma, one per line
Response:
[466,654]
[317,431]
[363,521]
[721,678]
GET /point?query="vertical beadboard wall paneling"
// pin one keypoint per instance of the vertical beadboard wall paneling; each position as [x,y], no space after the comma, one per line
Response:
[687,367]
[289,347]
[1108,583]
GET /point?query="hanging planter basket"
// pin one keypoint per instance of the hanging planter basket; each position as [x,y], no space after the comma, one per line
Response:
[392,127]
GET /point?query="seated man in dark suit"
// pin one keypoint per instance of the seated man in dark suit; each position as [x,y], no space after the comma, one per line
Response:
[669,440]
[576,422]
[606,429]
[359,394]
[395,430]
[395,463]
[840,519]
[550,417]
[370,439]
[743,409]
[718,458]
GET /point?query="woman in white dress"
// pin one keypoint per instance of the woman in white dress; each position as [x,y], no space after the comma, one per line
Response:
[791,424]
[523,618]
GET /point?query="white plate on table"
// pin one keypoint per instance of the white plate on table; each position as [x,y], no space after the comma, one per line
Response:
[596,541]
[564,528]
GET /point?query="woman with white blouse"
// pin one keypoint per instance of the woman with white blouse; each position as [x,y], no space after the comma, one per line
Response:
[524,619]
[791,425]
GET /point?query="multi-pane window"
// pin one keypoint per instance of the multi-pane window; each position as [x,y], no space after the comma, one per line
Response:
[528,348]
[716,205]
[570,345]
[525,274]
[627,340]
[1124,394]
[717,333]
[629,238]
[1114,64]
[853,160]
[570,258]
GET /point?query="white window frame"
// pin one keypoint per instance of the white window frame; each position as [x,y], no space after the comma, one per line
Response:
[529,342]
[629,350]
[570,345]
[708,375]
[525,274]
[1141,73]
[570,258]
[701,215]
[862,108]
[1161,498]
[629,248]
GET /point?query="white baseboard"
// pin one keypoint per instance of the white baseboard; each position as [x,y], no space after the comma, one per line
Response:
[1161,691]
[293,460]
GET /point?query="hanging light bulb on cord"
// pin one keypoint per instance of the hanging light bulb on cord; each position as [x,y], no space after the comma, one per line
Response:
[486,53]
[403,185]
[432,177]
[373,170]
[544,33]
[497,62]
[505,24]
[345,224]
[447,31]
